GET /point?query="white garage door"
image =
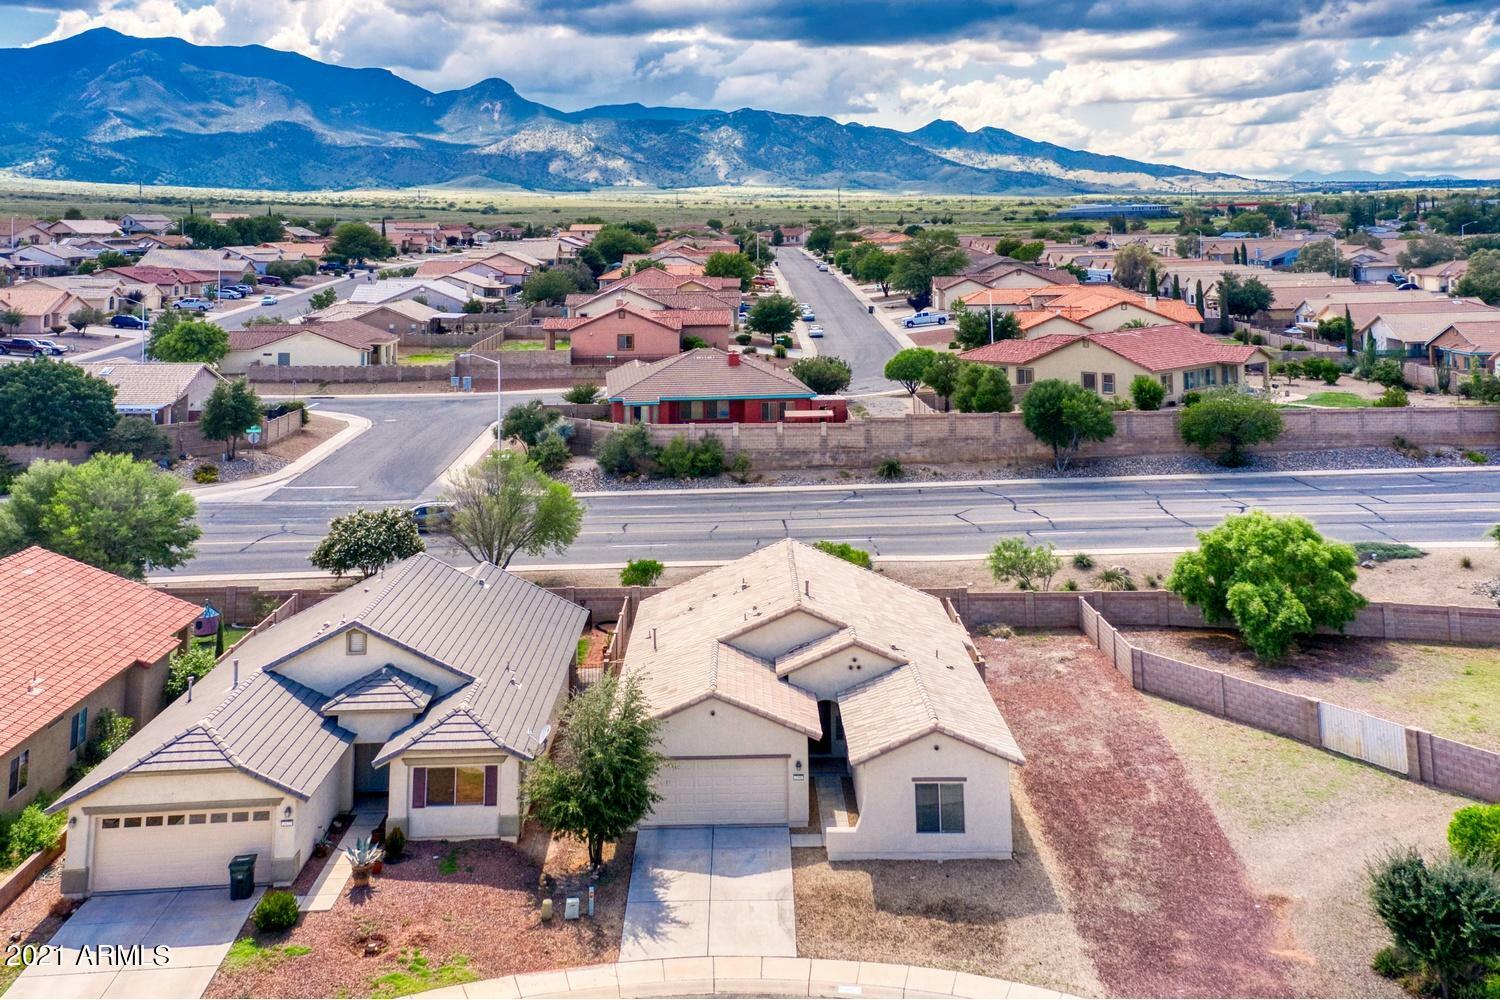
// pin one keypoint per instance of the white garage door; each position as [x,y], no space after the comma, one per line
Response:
[704,790]
[174,849]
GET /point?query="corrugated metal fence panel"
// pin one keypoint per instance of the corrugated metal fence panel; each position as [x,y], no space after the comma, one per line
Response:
[1363,737]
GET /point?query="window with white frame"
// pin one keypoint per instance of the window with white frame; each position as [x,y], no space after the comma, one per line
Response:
[355,642]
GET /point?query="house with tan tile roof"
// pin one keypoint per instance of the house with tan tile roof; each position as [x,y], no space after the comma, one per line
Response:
[338,343]
[789,663]
[708,385]
[160,391]
[43,308]
[1466,345]
[1402,328]
[74,641]
[1438,277]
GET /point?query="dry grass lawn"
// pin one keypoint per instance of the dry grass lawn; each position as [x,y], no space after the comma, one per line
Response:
[990,918]
[1306,823]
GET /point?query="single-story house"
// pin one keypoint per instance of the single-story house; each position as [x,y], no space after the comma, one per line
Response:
[1409,331]
[63,228]
[143,223]
[397,316]
[1466,345]
[43,308]
[342,342]
[159,285]
[708,385]
[1439,277]
[790,661]
[426,689]
[162,392]
[74,640]
[220,263]
[36,259]
[436,292]
[1182,359]
[629,332]
[102,291]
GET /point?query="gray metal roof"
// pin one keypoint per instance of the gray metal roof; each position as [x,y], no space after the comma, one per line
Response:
[389,689]
[514,639]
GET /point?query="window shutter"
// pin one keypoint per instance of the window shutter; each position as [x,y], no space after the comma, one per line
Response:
[418,787]
[491,784]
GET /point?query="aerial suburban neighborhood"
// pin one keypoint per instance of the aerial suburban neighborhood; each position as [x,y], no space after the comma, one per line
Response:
[456,547]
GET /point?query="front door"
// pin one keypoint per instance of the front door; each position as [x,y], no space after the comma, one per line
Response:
[369,779]
[823,745]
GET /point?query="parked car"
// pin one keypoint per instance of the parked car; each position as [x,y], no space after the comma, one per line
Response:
[1407,286]
[271,280]
[128,321]
[329,267]
[243,288]
[194,303]
[815,332]
[807,315]
[432,516]
[268,300]
[927,317]
[230,293]
[822,267]
[33,346]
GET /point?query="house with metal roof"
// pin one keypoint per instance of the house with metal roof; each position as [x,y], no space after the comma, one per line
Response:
[791,663]
[425,688]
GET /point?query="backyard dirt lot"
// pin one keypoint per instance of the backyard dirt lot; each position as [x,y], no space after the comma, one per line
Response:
[449,912]
[1157,891]
[318,429]
[990,918]
[1450,690]
[33,918]
[1306,824]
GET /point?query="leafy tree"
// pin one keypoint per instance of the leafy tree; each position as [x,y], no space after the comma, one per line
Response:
[927,255]
[874,267]
[600,779]
[909,366]
[194,662]
[846,552]
[583,393]
[1427,251]
[175,337]
[685,459]
[1474,834]
[1064,416]
[1322,368]
[1243,298]
[942,374]
[506,504]
[731,265]
[1146,392]
[551,452]
[1132,264]
[231,410]
[43,403]
[85,316]
[629,451]
[977,327]
[528,422]
[137,437]
[773,315]
[1321,256]
[1444,916]
[10,318]
[551,286]
[1274,577]
[1387,372]
[714,223]
[357,241]
[1255,223]
[824,374]
[613,243]
[1031,566]
[819,239]
[1231,419]
[1482,280]
[1029,252]
[641,573]
[111,512]
[983,389]
[367,541]
[322,299]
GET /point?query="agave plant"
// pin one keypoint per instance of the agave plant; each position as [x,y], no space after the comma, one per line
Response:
[364,854]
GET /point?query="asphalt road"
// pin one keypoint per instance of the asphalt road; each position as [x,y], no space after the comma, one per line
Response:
[851,332]
[288,307]
[934,521]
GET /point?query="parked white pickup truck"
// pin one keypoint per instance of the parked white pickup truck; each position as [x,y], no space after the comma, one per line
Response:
[927,317]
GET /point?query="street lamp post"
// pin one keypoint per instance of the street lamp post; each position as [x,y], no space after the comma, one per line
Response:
[1466,225]
[499,395]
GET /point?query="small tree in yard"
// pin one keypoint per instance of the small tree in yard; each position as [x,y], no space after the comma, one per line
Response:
[824,374]
[641,573]
[582,394]
[772,315]
[1474,834]
[629,451]
[506,504]
[1387,372]
[85,316]
[1322,368]
[10,318]
[1443,916]
[1064,416]
[367,540]
[1147,392]
[137,437]
[528,422]
[909,366]
[43,403]
[174,337]
[1230,419]
[231,410]
[942,375]
[599,780]
[1028,565]
[846,552]
[322,299]
[194,662]
[1274,577]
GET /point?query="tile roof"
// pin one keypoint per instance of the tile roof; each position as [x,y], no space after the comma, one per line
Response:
[349,332]
[389,689]
[704,373]
[506,643]
[1155,348]
[1411,327]
[410,308]
[1482,334]
[33,298]
[393,288]
[687,646]
[148,383]
[72,627]
[1019,352]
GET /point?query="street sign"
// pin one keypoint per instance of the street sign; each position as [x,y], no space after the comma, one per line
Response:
[253,434]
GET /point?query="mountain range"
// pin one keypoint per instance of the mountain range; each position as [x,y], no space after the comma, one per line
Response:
[165,111]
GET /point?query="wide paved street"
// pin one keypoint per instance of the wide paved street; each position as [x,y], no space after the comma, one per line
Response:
[851,332]
[953,520]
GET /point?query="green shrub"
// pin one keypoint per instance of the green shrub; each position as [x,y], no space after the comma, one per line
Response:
[890,468]
[629,451]
[1031,566]
[1082,560]
[1477,457]
[1322,368]
[395,844]
[1191,396]
[1147,392]
[846,552]
[1383,551]
[194,662]
[33,830]
[1474,834]
[276,911]
[111,730]
[583,393]
[9,470]
[778,351]
[739,467]
[1068,585]
[641,573]
[206,473]
[528,422]
[1115,578]
[684,459]
[550,452]
[1391,962]
[742,339]
[1393,397]
[1387,372]
[1445,915]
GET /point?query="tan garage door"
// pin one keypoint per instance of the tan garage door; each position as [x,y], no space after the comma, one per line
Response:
[698,791]
[175,849]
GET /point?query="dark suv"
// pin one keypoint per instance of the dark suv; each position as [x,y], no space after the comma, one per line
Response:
[32,346]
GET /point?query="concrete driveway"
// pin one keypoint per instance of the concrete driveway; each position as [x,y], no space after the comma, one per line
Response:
[138,944]
[699,891]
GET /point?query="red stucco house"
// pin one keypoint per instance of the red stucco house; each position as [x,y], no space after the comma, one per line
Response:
[712,386]
[628,333]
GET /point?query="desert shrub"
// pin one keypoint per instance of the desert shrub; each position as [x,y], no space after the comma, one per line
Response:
[1147,392]
[1191,396]
[1322,368]
[1387,372]
[889,468]
[739,467]
[1474,834]
[395,844]
[1476,457]
[1031,566]
[846,552]
[1115,578]
[1082,560]
[1444,914]
[1391,962]
[583,393]
[550,452]
[1393,397]
[742,339]
[684,459]
[641,573]
[32,830]
[628,451]
[529,422]
[276,911]
[1068,585]
[206,473]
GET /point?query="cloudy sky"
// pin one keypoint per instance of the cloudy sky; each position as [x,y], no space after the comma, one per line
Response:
[1255,87]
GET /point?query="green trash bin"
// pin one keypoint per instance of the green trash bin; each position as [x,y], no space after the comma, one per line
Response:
[242,876]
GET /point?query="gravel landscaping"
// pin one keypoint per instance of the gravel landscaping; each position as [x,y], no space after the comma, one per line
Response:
[1450,690]
[248,465]
[1157,892]
[34,917]
[447,913]
[1306,823]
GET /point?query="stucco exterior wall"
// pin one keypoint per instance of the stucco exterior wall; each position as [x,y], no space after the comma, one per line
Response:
[714,728]
[844,669]
[304,348]
[326,667]
[776,636]
[456,822]
[309,821]
[887,826]
[600,337]
[49,754]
